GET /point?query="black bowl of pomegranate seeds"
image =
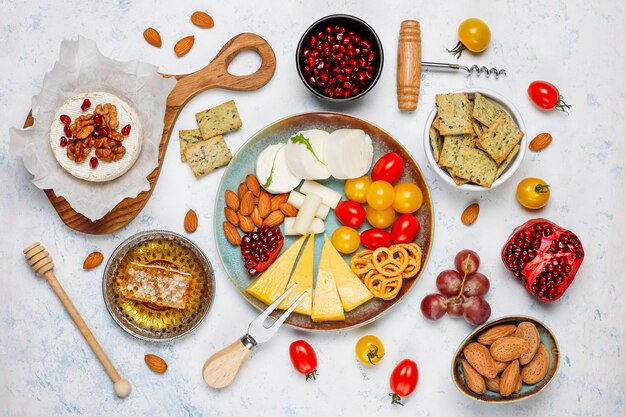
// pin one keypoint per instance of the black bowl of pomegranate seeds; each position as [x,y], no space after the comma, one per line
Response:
[339,58]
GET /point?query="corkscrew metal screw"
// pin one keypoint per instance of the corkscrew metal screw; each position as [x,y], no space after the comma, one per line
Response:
[474,69]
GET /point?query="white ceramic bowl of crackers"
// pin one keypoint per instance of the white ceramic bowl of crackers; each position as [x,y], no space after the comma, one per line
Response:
[474,139]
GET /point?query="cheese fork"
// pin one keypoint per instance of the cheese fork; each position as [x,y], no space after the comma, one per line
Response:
[221,368]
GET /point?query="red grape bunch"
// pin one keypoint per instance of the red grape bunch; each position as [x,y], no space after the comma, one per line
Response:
[460,295]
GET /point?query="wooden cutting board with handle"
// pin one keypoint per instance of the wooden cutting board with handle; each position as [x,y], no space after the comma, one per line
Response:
[214,75]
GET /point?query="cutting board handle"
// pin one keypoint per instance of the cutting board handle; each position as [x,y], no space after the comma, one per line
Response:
[216,75]
[221,368]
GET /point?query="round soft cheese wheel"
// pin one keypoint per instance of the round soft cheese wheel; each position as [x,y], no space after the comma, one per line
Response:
[349,153]
[105,171]
[306,163]
[272,170]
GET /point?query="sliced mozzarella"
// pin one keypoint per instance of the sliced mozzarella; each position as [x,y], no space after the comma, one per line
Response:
[308,163]
[273,163]
[349,153]
[296,199]
[306,214]
[317,226]
[329,197]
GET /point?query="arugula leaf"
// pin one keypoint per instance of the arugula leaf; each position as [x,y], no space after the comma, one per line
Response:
[305,141]
[269,179]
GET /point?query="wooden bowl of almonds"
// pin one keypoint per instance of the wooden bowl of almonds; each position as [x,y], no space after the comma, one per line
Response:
[506,360]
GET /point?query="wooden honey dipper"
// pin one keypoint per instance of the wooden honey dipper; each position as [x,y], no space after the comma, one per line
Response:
[41,262]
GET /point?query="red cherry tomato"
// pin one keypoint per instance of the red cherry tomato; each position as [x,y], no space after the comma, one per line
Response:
[350,214]
[546,96]
[375,238]
[388,168]
[405,229]
[403,380]
[303,358]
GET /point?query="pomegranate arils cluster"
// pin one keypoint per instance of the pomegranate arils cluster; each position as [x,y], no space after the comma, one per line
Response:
[260,248]
[544,257]
[338,63]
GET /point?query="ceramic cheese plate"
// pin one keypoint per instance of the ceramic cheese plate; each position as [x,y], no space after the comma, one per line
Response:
[324,254]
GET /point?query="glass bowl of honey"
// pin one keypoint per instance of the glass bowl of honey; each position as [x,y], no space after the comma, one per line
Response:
[158,285]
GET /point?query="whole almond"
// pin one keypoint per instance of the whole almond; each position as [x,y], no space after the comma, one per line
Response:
[495,333]
[246,224]
[155,363]
[184,45]
[470,214]
[288,210]
[232,200]
[253,184]
[152,37]
[202,20]
[493,384]
[537,368]
[277,200]
[508,348]
[256,217]
[508,380]
[527,331]
[541,141]
[231,233]
[474,381]
[274,219]
[247,204]
[501,366]
[231,216]
[478,356]
[191,221]
[265,205]
[242,190]
[93,260]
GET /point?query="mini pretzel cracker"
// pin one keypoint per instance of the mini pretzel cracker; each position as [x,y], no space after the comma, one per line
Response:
[391,261]
[384,269]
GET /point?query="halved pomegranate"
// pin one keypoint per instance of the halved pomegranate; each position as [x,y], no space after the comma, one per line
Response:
[544,257]
[261,248]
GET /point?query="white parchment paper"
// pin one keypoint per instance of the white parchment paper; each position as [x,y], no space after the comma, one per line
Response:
[82,68]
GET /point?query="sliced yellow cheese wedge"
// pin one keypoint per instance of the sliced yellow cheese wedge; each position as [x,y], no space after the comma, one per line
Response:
[303,278]
[273,282]
[326,302]
[351,290]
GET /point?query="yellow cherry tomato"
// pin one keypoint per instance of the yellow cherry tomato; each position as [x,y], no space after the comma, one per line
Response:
[345,239]
[533,193]
[370,350]
[380,219]
[356,189]
[408,198]
[474,34]
[380,195]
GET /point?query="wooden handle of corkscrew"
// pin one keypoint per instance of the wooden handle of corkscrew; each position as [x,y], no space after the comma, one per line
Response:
[409,65]
[41,262]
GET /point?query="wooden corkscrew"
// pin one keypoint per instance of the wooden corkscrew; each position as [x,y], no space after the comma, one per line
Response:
[40,261]
[409,70]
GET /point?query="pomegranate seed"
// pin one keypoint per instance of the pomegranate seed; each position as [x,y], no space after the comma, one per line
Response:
[126,130]
[97,119]
[65,119]
[86,104]
[63,142]
[67,131]
[103,131]
[93,162]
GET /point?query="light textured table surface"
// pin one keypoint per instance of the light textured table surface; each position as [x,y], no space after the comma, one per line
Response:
[46,368]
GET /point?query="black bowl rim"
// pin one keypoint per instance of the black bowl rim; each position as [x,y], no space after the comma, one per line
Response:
[376,38]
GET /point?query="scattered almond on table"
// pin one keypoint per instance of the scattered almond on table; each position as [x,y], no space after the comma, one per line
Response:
[540,142]
[202,19]
[470,214]
[152,37]
[155,363]
[93,260]
[184,45]
[191,221]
